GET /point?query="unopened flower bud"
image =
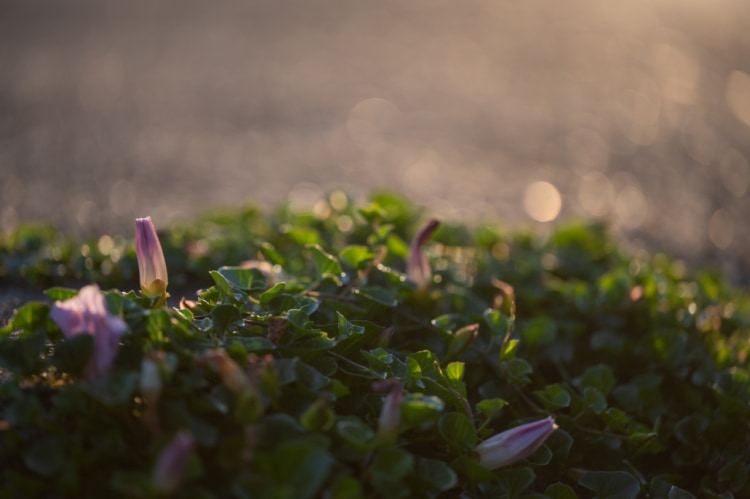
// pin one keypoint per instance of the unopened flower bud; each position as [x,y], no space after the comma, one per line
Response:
[390,414]
[170,468]
[417,266]
[515,444]
[231,374]
[151,264]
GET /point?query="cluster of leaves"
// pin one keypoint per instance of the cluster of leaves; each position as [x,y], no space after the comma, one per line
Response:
[643,368]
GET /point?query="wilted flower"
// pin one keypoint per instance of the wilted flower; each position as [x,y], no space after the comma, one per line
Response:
[515,444]
[417,265]
[170,468]
[87,313]
[151,264]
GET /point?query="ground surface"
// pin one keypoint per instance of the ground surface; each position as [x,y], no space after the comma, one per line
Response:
[637,112]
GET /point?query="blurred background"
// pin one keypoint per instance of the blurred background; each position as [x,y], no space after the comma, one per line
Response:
[528,112]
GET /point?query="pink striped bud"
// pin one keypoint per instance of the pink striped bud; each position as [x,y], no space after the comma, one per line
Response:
[515,444]
[151,264]
[170,468]
[87,313]
[417,266]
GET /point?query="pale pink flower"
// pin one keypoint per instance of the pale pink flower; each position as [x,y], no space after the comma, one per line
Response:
[87,313]
[151,264]
[515,444]
[417,266]
[170,468]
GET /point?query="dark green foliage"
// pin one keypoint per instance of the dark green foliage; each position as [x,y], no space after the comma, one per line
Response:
[643,367]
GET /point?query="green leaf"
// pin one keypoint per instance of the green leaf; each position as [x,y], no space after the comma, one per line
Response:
[690,430]
[376,294]
[498,322]
[541,457]
[616,419]
[595,400]
[44,457]
[460,341]
[272,293]
[560,443]
[539,331]
[302,235]
[391,464]
[226,289]
[518,370]
[599,377]
[455,372]
[357,257]
[513,481]
[677,493]
[491,407]
[244,279]
[509,351]
[734,474]
[553,396]
[326,264]
[61,294]
[458,431]
[23,354]
[611,484]
[31,317]
[437,475]
[356,432]
[417,409]
[256,344]
[473,471]
[560,491]
[270,253]
[224,316]
[302,466]
[318,417]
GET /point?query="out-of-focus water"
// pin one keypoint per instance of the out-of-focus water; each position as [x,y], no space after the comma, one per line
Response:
[536,111]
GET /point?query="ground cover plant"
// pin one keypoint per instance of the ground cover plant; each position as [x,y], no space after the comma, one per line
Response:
[366,351]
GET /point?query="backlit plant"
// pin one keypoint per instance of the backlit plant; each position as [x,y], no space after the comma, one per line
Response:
[310,365]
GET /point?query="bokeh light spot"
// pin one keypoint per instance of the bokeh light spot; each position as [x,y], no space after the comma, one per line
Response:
[631,206]
[372,121]
[542,201]
[721,229]
[596,194]
[737,95]
[734,172]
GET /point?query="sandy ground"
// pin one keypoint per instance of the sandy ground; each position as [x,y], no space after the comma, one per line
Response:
[637,112]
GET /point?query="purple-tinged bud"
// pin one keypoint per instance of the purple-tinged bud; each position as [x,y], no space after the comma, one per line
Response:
[515,444]
[390,414]
[417,266]
[87,313]
[170,468]
[231,374]
[151,264]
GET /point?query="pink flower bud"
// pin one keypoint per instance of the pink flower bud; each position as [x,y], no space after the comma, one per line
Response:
[151,265]
[390,414]
[87,313]
[515,444]
[417,265]
[170,468]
